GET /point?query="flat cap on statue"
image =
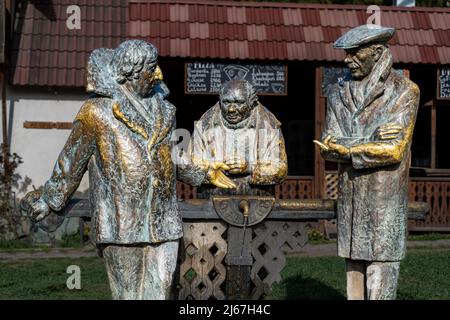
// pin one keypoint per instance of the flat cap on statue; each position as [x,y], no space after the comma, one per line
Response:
[362,35]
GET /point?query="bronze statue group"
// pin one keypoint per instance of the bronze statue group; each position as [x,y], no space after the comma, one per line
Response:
[122,136]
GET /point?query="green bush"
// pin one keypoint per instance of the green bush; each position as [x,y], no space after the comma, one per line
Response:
[70,241]
[317,237]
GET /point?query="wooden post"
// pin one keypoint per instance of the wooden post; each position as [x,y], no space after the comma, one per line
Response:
[4,114]
[319,162]
[433,135]
[5,29]
[239,263]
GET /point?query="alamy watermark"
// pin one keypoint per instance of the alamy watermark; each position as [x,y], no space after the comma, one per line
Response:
[74,280]
[73,21]
[218,145]
[374,20]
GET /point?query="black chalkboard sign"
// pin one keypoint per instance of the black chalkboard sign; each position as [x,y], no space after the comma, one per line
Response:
[207,77]
[443,84]
[331,76]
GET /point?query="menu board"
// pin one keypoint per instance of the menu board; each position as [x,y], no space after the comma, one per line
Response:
[443,84]
[207,77]
[331,76]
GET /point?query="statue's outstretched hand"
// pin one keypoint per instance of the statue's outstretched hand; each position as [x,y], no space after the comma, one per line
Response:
[35,206]
[217,177]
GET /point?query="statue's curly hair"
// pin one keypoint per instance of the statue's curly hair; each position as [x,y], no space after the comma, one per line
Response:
[130,57]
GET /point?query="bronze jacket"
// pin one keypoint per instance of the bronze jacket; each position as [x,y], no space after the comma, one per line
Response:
[128,155]
[372,203]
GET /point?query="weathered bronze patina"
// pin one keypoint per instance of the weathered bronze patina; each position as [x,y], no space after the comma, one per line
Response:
[237,146]
[368,131]
[122,135]
[236,156]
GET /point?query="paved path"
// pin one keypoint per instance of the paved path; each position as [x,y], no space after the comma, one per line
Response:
[329,250]
[316,250]
[24,254]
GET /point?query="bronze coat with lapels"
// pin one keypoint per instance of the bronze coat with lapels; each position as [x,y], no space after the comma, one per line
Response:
[125,144]
[372,201]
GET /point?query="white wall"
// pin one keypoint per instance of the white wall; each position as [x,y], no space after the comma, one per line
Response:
[39,148]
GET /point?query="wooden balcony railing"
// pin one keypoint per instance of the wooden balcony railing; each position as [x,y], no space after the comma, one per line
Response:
[292,188]
[436,192]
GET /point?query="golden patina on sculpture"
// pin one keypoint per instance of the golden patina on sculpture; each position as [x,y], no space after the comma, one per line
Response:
[368,131]
[237,146]
[235,157]
[122,135]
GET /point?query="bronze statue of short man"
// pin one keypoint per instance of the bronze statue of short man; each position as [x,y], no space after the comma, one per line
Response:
[368,131]
[122,135]
[237,153]
[237,146]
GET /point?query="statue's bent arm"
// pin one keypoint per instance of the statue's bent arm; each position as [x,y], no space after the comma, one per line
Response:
[381,153]
[192,169]
[333,129]
[71,164]
[272,168]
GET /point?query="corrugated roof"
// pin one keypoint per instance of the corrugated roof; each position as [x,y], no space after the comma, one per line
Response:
[284,31]
[47,53]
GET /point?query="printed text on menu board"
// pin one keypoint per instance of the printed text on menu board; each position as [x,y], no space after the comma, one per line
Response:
[444,84]
[206,77]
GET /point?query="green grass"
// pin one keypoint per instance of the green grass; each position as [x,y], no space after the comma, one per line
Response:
[46,279]
[432,236]
[424,274]
[15,244]
[70,241]
[19,245]
[67,241]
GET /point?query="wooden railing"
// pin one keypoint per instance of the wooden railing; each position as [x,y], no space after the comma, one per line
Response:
[434,191]
[296,188]
[185,191]
[293,187]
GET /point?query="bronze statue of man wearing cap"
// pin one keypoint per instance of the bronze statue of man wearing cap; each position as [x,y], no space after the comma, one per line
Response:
[368,131]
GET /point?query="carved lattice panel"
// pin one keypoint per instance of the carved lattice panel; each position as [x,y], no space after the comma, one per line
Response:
[271,240]
[202,272]
[186,191]
[437,194]
[295,188]
[331,184]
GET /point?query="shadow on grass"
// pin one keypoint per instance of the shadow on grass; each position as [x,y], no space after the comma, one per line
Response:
[301,288]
